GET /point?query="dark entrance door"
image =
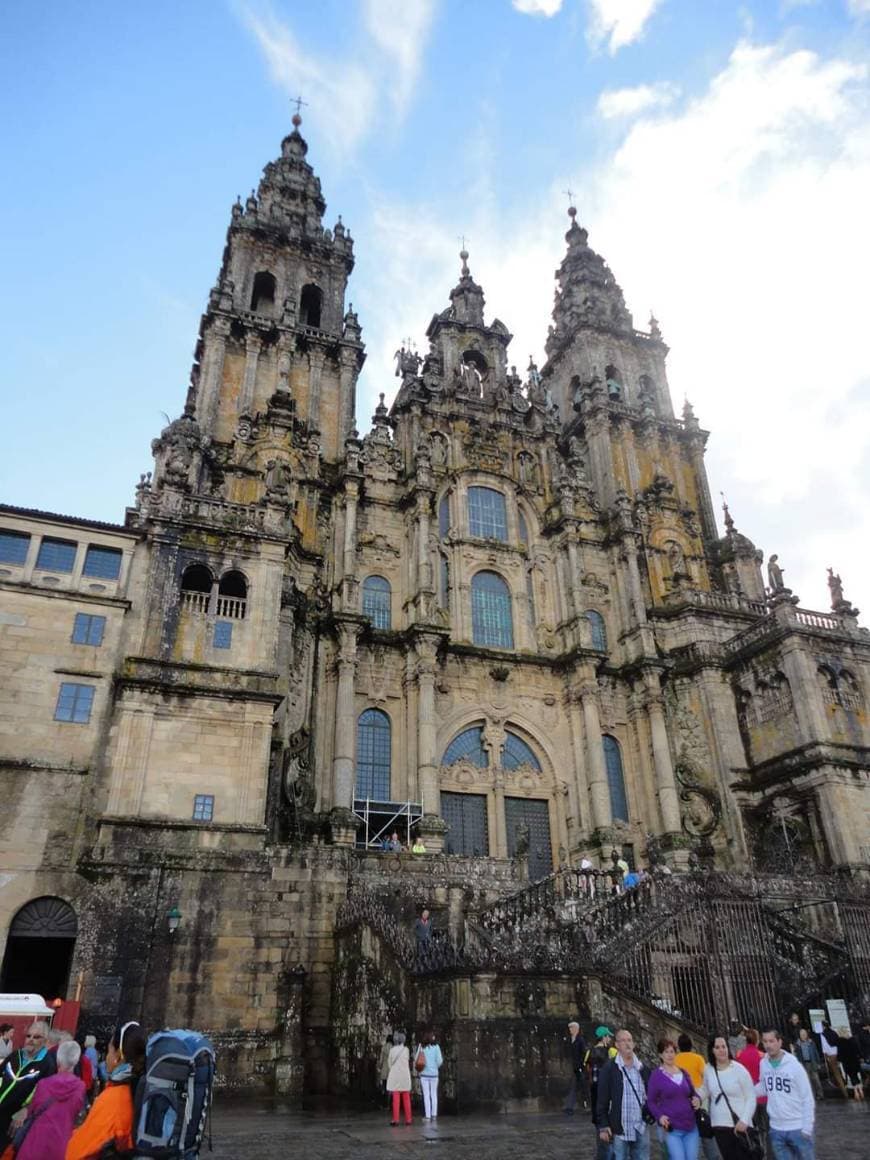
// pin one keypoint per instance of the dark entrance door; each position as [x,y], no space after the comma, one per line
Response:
[465,814]
[39,949]
[536,815]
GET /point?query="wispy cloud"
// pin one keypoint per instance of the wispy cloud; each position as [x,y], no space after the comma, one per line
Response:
[614,103]
[400,29]
[618,22]
[544,8]
[859,7]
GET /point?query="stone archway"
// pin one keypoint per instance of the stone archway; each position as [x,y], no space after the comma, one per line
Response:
[39,948]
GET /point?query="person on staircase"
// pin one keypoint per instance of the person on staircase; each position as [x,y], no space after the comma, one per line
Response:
[399,1078]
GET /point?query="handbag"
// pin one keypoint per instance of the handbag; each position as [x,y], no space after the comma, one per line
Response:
[750,1140]
[702,1116]
[420,1060]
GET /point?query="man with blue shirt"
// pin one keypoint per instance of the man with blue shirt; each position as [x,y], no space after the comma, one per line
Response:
[790,1104]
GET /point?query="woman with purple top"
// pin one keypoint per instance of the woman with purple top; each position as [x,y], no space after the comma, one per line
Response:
[672,1100]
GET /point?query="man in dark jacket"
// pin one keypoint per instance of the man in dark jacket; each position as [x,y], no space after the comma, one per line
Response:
[22,1070]
[621,1102]
[577,1047]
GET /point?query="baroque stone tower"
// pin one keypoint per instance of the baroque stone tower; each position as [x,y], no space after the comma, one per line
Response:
[502,620]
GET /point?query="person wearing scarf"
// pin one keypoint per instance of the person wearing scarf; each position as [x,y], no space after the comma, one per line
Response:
[108,1128]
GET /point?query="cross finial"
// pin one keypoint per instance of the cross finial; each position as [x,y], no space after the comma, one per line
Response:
[298,102]
[297,116]
[569,193]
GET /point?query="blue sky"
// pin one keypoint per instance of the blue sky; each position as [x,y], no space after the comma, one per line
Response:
[721,158]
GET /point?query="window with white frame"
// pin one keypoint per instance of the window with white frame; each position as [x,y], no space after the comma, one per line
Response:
[487,514]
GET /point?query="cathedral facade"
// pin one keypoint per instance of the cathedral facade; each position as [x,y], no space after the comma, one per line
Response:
[502,621]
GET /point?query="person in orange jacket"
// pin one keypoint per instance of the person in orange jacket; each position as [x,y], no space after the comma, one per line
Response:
[109,1123]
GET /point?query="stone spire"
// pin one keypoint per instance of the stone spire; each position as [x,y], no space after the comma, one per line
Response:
[588,294]
[467,297]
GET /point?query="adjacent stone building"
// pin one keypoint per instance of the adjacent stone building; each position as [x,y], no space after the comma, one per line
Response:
[503,619]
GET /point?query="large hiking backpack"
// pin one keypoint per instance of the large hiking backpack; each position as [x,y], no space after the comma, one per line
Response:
[173,1096]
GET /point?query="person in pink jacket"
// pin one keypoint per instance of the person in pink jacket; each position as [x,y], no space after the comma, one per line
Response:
[52,1113]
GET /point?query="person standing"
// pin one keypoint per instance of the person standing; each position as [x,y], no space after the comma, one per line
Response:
[672,1100]
[830,1041]
[384,1063]
[423,933]
[694,1063]
[730,1091]
[596,1057]
[619,1108]
[793,1029]
[577,1048]
[429,1075]
[22,1071]
[51,1117]
[850,1058]
[790,1104]
[751,1057]
[807,1052]
[399,1078]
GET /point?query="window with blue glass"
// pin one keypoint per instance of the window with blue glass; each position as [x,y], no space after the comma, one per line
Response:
[223,634]
[515,752]
[487,513]
[491,621]
[74,703]
[615,779]
[88,629]
[376,595]
[56,555]
[444,516]
[467,746]
[203,807]
[104,563]
[373,755]
[13,547]
[599,630]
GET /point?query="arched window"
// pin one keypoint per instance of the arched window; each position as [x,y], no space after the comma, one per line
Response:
[615,779]
[515,753]
[613,382]
[444,516]
[599,629]
[263,294]
[376,601]
[373,756]
[491,621]
[467,746]
[310,305]
[232,595]
[487,513]
[196,586]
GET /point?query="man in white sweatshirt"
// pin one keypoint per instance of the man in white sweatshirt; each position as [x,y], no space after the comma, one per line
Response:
[790,1103]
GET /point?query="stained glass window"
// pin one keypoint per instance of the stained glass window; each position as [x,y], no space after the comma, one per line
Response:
[599,630]
[373,756]
[88,629]
[13,547]
[376,601]
[467,746]
[74,703]
[56,555]
[487,513]
[515,753]
[615,779]
[491,622]
[102,562]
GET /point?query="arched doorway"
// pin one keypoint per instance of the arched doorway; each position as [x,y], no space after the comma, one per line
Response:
[39,949]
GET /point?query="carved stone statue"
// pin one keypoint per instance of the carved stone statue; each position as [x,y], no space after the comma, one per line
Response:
[523,838]
[835,584]
[774,574]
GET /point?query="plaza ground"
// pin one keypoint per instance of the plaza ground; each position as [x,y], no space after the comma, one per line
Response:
[268,1132]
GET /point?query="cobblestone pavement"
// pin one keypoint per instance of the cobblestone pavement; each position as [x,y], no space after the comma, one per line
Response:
[262,1133]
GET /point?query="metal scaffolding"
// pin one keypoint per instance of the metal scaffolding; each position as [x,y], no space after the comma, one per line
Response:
[380,819]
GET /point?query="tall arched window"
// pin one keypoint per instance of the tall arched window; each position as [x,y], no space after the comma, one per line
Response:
[232,595]
[491,620]
[376,601]
[263,294]
[615,779]
[467,746]
[373,756]
[310,305]
[196,586]
[487,513]
[515,752]
[599,629]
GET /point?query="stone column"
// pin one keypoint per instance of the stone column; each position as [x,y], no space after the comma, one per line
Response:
[211,372]
[344,822]
[348,562]
[315,373]
[431,826]
[249,382]
[666,782]
[599,790]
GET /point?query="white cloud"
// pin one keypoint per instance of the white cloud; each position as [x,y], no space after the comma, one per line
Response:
[400,28]
[543,8]
[614,103]
[741,218]
[619,22]
[859,7]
